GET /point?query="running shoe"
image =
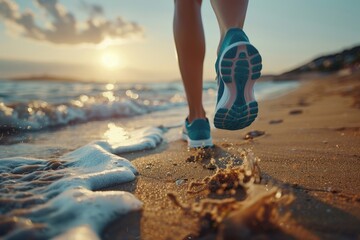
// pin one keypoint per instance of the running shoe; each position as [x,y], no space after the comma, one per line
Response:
[238,67]
[197,133]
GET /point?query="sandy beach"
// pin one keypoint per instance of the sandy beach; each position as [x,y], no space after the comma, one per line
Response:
[95,97]
[310,149]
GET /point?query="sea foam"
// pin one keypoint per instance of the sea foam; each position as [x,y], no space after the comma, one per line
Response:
[43,199]
[37,115]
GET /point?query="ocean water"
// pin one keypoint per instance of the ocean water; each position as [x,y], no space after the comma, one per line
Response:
[37,105]
[60,141]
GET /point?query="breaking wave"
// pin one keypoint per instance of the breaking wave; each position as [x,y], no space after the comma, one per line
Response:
[42,199]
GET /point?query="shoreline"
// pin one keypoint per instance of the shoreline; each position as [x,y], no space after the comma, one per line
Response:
[64,118]
[309,149]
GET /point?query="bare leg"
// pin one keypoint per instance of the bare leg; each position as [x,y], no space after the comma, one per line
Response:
[230,14]
[190,46]
[238,66]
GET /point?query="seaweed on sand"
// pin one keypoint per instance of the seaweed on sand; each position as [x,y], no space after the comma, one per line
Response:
[262,209]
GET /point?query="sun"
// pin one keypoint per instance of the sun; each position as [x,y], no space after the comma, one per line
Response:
[111,60]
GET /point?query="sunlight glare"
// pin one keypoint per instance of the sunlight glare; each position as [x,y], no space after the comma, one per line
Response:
[109,86]
[109,95]
[115,135]
[111,60]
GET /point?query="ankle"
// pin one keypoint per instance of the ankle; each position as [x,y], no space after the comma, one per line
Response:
[196,115]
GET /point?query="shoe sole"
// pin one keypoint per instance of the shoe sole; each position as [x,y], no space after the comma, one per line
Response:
[197,143]
[239,67]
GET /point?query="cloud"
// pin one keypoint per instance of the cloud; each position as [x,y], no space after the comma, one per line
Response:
[93,9]
[63,27]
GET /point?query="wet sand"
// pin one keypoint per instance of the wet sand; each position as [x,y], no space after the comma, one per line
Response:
[310,149]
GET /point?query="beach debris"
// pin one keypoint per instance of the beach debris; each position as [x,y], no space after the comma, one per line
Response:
[227,145]
[262,213]
[227,180]
[261,209]
[296,112]
[211,165]
[168,174]
[213,210]
[303,103]
[344,130]
[190,237]
[254,134]
[180,181]
[191,158]
[200,155]
[276,121]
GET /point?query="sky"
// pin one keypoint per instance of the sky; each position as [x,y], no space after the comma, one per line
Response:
[132,40]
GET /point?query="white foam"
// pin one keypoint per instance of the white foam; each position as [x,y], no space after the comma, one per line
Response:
[38,115]
[75,212]
[117,140]
[58,198]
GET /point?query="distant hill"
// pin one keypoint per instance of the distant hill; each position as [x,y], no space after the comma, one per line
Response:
[347,59]
[46,77]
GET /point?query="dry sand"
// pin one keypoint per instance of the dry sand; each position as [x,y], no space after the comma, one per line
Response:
[314,153]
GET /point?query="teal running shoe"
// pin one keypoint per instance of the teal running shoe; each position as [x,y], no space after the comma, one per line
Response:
[197,133]
[238,67]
